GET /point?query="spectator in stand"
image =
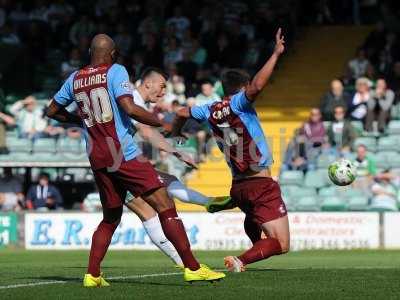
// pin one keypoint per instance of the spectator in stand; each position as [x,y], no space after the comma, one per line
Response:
[358,65]
[29,118]
[84,27]
[379,106]
[43,196]
[195,129]
[175,90]
[366,170]
[363,95]
[10,191]
[314,135]
[384,193]
[5,120]
[172,52]
[199,53]
[179,21]
[341,133]
[72,64]
[335,97]
[207,94]
[296,154]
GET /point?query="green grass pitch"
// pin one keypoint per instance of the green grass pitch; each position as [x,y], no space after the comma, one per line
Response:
[138,275]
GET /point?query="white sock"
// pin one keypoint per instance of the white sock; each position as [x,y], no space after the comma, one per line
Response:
[156,234]
[177,189]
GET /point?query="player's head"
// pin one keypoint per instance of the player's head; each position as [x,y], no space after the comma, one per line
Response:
[207,88]
[234,80]
[44,179]
[339,113]
[337,87]
[361,152]
[102,49]
[154,83]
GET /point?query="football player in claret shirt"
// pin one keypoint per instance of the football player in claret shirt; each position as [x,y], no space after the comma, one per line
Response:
[237,130]
[106,106]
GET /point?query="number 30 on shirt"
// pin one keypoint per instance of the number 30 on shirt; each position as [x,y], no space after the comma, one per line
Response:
[96,108]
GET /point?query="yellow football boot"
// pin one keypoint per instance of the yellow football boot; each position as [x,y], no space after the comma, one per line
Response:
[91,281]
[204,273]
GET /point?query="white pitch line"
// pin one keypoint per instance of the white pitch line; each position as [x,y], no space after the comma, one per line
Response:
[14,286]
[29,284]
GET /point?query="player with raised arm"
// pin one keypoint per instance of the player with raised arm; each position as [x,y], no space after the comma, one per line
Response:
[239,136]
[152,90]
[103,94]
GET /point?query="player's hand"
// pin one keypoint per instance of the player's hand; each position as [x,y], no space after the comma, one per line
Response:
[187,159]
[279,42]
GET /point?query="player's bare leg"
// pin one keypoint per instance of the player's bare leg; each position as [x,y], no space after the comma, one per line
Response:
[277,242]
[151,224]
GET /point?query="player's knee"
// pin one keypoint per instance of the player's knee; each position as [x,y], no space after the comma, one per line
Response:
[113,216]
[285,245]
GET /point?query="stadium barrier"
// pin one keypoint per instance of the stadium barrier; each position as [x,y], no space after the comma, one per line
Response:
[221,231]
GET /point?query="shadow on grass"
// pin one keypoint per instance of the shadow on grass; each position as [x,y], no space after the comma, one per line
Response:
[53,278]
[119,281]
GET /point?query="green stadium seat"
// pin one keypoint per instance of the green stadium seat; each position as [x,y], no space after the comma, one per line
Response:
[79,174]
[327,124]
[295,191]
[333,204]
[291,177]
[68,145]
[12,98]
[327,192]
[378,208]
[357,203]
[47,145]
[15,144]
[308,203]
[51,171]
[369,142]
[324,160]
[316,178]
[358,126]
[6,157]
[290,203]
[349,192]
[395,112]
[389,143]
[393,127]
[12,133]
[381,160]
[20,157]
[43,157]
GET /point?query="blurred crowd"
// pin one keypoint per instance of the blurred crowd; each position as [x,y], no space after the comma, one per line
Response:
[359,104]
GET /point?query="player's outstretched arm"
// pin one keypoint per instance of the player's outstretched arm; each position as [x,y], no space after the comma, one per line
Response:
[261,78]
[60,114]
[157,140]
[181,117]
[138,113]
